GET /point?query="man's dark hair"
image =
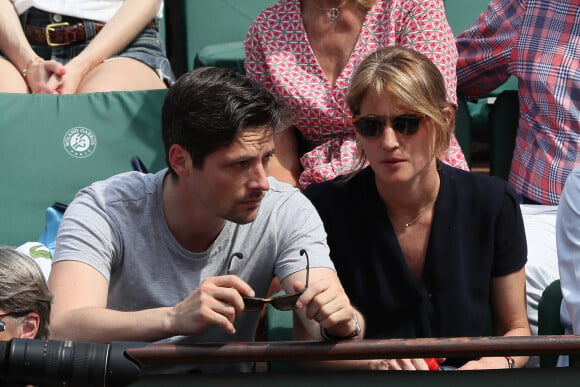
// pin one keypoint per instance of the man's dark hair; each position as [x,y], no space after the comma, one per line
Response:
[206,108]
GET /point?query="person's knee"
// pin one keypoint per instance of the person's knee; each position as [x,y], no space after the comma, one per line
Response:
[12,80]
[120,74]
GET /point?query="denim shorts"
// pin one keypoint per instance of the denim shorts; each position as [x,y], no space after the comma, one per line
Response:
[148,47]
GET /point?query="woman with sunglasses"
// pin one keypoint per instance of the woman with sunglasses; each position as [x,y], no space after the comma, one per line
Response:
[305,52]
[24,297]
[422,249]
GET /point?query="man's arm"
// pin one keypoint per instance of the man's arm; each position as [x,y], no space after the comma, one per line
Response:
[80,313]
[484,49]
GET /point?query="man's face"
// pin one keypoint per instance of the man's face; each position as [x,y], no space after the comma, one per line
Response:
[233,179]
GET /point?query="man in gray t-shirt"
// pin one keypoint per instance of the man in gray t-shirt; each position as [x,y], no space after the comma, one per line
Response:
[181,255]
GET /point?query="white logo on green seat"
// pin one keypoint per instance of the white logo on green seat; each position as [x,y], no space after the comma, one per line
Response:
[80,142]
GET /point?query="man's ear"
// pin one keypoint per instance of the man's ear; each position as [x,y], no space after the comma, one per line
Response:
[29,326]
[180,160]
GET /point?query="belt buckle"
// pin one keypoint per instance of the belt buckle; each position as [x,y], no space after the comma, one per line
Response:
[52,27]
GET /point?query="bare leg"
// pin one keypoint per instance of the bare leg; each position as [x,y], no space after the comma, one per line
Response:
[120,74]
[11,80]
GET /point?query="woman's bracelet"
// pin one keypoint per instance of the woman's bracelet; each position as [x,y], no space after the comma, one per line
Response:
[36,58]
[511,362]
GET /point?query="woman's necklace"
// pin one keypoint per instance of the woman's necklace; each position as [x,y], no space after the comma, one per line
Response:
[412,221]
[333,13]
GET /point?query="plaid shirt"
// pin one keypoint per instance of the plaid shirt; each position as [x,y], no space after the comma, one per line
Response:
[538,41]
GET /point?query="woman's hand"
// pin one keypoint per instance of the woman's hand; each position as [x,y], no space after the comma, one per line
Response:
[69,83]
[486,363]
[405,364]
[44,77]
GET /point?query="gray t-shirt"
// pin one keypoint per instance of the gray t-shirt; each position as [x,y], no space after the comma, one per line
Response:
[118,227]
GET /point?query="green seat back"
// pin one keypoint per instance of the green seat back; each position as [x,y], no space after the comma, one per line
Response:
[463,13]
[549,318]
[279,327]
[53,145]
[230,55]
[217,22]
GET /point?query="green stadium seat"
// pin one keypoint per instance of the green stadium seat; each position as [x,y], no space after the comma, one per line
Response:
[279,327]
[549,318]
[54,145]
[215,30]
[461,14]
[230,55]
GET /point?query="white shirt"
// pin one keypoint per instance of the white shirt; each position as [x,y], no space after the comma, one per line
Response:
[542,264]
[568,244]
[99,10]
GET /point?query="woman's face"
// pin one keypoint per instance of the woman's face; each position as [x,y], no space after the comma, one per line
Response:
[396,158]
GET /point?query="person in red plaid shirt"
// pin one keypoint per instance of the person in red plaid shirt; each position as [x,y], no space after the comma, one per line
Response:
[537,41]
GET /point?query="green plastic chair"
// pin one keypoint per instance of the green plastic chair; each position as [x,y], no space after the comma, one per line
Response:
[463,13]
[215,30]
[549,318]
[279,327]
[54,145]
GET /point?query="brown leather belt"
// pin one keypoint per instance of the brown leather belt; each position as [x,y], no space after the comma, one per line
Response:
[63,34]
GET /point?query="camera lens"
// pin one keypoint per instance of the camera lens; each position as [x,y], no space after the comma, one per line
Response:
[67,363]
[56,363]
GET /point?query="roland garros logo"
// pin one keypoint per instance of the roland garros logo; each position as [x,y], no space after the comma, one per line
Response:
[80,142]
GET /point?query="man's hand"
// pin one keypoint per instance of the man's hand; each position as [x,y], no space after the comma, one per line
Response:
[217,301]
[326,302]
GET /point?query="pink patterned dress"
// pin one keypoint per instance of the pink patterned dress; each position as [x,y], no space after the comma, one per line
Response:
[279,56]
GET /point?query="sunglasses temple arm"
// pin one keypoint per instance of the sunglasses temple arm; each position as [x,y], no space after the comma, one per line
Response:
[303,252]
[230,259]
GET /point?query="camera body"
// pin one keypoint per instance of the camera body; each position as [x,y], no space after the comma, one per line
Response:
[67,363]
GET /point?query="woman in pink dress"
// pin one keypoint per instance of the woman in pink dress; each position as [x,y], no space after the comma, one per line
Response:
[305,51]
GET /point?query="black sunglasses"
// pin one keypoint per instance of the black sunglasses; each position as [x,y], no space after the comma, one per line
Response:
[372,125]
[285,302]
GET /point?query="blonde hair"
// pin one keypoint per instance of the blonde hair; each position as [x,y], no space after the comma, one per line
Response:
[23,288]
[412,80]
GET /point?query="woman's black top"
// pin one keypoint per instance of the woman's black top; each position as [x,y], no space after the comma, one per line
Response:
[477,234]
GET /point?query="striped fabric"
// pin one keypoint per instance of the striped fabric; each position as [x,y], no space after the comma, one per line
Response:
[538,41]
